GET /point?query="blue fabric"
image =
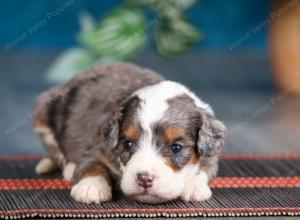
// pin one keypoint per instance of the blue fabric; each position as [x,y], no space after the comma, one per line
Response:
[222,22]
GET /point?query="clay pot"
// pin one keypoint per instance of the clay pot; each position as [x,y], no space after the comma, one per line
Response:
[285,44]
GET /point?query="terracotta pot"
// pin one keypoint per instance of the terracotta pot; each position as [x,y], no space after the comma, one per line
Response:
[285,44]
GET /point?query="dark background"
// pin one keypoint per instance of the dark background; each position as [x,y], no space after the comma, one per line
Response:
[222,22]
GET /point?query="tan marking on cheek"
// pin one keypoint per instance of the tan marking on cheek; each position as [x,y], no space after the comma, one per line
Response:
[172,165]
[132,132]
[171,134]
[195,158]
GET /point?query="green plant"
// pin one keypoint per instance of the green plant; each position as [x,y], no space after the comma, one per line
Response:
[123,33]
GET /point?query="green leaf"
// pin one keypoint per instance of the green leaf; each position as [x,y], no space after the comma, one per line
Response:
[174,36]
[86,21]
[150,3]
[183,4]
[69,64]
[165,5]
[120,35]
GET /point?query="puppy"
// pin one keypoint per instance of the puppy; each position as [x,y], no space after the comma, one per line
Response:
[127,125]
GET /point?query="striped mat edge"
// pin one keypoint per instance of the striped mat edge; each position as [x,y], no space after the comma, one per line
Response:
[219,182]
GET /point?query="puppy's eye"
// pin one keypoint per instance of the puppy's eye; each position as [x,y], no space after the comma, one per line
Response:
[128,145]
[176,148]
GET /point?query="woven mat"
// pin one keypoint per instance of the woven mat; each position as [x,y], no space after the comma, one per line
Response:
[247,185]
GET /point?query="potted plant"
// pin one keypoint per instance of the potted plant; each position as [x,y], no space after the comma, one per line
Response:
[123,33]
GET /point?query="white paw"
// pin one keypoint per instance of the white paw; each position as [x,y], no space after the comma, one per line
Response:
[46,165]
[69,171]
[92,190]
[197,189]
[196,193]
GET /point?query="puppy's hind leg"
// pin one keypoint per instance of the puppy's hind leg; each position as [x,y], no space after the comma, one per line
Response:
[56,158]
[46,165]
[41,116]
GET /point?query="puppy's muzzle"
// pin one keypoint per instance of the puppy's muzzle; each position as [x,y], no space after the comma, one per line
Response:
[144,179]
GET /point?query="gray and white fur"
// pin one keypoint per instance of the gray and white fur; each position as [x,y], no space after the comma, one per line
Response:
[126,124]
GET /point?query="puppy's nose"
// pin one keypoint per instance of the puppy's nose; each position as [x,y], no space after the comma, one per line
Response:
[144,179]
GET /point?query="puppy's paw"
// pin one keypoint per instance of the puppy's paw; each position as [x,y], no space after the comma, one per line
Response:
[46,165]
[68,171]
[197,189]
[196,193]
[92,190]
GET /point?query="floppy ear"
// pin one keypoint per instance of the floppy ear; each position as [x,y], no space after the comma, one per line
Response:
[211,135]
[111,127]
[110,131]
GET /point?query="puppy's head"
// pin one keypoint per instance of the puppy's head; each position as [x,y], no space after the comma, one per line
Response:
[160,134]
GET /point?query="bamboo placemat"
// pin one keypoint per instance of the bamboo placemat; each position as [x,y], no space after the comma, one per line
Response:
[247,185]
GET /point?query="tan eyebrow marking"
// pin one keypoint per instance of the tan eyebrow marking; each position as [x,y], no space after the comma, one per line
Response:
[172,133]
[132,132]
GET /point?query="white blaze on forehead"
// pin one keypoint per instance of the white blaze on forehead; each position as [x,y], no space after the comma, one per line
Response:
[154,104]
[154,100]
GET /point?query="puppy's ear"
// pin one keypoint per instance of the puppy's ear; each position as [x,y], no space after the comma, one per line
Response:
[112,126]
[110,131]
[211,136]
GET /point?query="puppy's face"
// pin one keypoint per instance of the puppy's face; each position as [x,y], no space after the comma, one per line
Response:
[158,142]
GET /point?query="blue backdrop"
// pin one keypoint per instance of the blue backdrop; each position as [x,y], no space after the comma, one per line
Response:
[222,22]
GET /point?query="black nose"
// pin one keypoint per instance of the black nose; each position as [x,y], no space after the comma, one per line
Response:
[144,179]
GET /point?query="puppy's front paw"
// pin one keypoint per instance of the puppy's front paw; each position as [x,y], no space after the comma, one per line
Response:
[197,189]
[92,190]
[196,193]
